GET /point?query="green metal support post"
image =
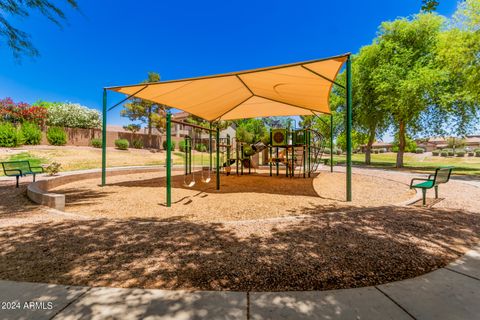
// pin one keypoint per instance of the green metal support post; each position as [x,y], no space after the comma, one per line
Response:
[241,161]
[271,152]
[331,143]
[168,167]
[286,160]
[276,162]
[349,128]
[304,152]
[186,156]
[217,138]
[104,138]
[210,147]
[228,150]
[236,155]
[286,153]
[309,141]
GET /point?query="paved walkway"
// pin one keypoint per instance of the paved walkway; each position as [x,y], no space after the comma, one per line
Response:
[449,293]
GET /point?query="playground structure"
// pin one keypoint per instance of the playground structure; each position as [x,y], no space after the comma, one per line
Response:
[298,150]
[287,90]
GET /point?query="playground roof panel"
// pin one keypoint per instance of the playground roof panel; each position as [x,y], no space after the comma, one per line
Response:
[286,90]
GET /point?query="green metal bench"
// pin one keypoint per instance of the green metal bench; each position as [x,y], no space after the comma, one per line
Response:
[19,169]
[442,175]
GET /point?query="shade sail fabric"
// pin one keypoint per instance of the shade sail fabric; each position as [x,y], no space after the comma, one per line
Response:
[286,90]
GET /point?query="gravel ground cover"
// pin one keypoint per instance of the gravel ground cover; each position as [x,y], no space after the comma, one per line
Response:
[331,245]
[239,198]
[334,249]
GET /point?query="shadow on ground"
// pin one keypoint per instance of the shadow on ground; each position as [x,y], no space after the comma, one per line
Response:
[14,201]
[258,183]
[255,183]
[332,249]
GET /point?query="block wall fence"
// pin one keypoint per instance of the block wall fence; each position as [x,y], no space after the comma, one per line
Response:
[83,137]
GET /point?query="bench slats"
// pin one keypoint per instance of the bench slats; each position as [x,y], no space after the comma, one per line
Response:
[20,168]
[442,175]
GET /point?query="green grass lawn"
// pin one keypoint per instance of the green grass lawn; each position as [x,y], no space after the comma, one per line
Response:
[417,162]
[198,158]
[34,161]
[89,158]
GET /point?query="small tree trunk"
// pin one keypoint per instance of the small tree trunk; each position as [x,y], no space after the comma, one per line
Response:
[401,144]
[368,151]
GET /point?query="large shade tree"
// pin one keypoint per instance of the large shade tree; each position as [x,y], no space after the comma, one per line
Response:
[147,112]
[370,116]
[407,77]
[458,54]
[429,5]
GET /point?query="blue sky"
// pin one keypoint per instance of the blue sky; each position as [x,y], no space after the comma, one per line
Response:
[118,42]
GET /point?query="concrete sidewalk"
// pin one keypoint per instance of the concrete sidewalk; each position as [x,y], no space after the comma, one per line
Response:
[449,293]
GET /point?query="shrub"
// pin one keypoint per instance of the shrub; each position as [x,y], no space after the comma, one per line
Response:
[419,150]
[35,114]
[31,133]
[181,145]
[450,153]
[410,144]
[338,151]
[457,142]
[326,150]
[247,150]
[10,136]
[137,143]
[444,153]
[382,150]
[72,115]
[122,144]
[477,153]
[460,153]
[327,162]
[53,168]
[96,143]
[172,145]
[375,151]
[471,153]
[56,136]
[435,152]
[18,112]
[203,148]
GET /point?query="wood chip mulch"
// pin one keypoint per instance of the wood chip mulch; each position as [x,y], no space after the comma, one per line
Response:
[334,246]
[351,248]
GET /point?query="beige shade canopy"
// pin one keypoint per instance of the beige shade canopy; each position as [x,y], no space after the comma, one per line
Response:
[286,90]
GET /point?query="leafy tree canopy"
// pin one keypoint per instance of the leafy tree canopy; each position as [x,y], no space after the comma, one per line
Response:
[430,5]
[18,40]
[152,114]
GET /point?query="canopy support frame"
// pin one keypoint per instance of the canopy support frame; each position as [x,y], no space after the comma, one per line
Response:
[347,88]
[323,77]
[349,127]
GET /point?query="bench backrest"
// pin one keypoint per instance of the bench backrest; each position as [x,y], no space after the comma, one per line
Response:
[22,165]
[442,175]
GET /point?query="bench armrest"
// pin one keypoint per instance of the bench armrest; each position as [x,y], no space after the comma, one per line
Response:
[41,169]
[431,177]
[19,172]
[417,179]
